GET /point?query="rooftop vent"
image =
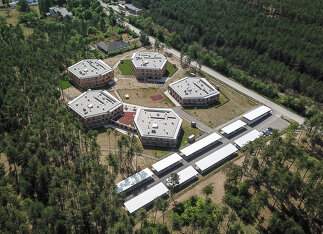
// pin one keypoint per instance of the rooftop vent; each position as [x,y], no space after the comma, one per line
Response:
[90,105]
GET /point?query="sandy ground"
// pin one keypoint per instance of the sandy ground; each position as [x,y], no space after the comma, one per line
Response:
[142,162]
[4,161]
[217,180]
[132,83]
[71,92]
[108,142]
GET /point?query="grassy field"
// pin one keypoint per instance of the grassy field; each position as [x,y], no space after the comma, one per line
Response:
[14,17]
[223,111]
[140,96]
[187,131]
[170,70]
[108,138]
[63,83]
[125,67]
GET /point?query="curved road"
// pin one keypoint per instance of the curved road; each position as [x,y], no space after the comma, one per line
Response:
[283,111]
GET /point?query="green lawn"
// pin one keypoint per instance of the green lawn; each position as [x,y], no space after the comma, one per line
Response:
[125,67]
[63,83]
[187,131]
[170,70]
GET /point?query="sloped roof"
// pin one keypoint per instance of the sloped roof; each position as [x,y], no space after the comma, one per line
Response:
[112,46]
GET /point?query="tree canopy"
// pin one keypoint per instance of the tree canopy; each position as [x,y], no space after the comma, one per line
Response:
[278,43]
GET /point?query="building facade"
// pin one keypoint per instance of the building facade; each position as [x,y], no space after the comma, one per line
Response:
[95,108]
[158,127]
[90,73]
[193,91]
[148,65]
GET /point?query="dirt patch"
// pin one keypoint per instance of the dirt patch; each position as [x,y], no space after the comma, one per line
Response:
[108,138]
[142,98]
[217,180]
[157,97]
[71,93]
[142,163]
[126,37]
[4,161]
[133,83]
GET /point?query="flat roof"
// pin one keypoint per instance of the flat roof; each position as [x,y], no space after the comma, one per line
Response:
[254,114]
[216,157]
[112,46]
[193,148]
[194,87]
[233,127]
[132,7]
[166,162]
[148,60]
[146,197]
[133,180]
[186,174]
[158,123]
[245,139]
[93,103]
[89,68]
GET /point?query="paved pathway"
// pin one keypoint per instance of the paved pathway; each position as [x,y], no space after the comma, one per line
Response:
[171,98]
[189,118]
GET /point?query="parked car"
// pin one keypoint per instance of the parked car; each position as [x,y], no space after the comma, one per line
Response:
[268,131]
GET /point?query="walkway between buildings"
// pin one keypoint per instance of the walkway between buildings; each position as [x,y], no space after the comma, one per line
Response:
[178,110]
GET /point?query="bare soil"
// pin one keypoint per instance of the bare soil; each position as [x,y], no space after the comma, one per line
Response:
[142,98]
[133,83]
[108,142]
[71,93]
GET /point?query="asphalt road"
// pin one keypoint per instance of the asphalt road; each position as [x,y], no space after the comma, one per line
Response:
[281,110]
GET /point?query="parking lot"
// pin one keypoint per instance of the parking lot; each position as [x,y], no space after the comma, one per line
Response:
[272,120]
